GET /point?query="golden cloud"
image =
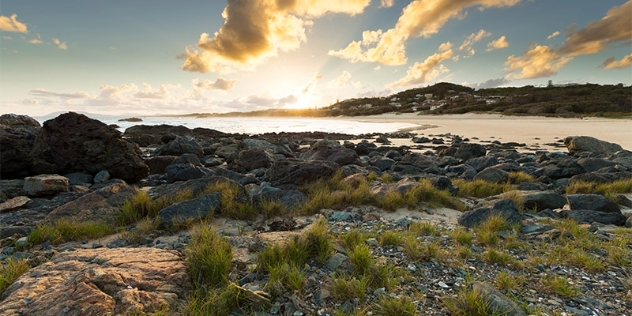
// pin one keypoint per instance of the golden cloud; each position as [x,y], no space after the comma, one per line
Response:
[11,24]
[219,84]
[612,63]
[418,19]
[499,43]
[421,73]
[256,29]
[60,44]
[540,61]
[471,40]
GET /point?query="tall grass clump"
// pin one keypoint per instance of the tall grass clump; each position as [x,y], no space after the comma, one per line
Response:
[208,256]
[480,188]
[65,230]
[10,271]
[517,177]
[610,190]
[392,306]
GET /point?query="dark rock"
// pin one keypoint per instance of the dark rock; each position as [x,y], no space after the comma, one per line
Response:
[588,216]
[578,144]
[599,177]
[464,151]
[539,200]
[497,302]
[593,202]
[158,164]
[73,142]
[549,213]
[78,178]
[331,151]
[195,209]
[394,154]
[623,200]
[364,148]
[480,163]
[505,208]
[229,151]
[594,164]
[197,187]
[188,158]
[253,158]
[353,169]
[443,183]
[382,163]
[211,161]
[492,175]
[101,205]
[18,121]
[289,198]
[232,175]
[184,172]
[15,148]
[382,139]
[564,168]
[101,177]
[180,146]
[291,173]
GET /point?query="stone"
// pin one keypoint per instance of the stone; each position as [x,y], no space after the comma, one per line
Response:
[185,171]
[540,200]
[101,177]
[498,303]
[589,217]
[291,172]
[78,178]
[102,281]
[480,163]
[180,146]
[593,164]
[382,163]
[101,205]
[158,164]
[14,203]
[505,208]
[331,151]
[289,198]
[73,142]
[577,144]
[593,202]
[195,209]
[45,184]
[18,121]
[464,151]
[492,175]
[253,158]
[16,145]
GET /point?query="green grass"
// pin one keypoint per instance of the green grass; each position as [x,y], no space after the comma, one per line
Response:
[352,238]
[480,188]
[468,303]
[10,271]
[361,260]
[461,236]
[391,306]
[390,238]
[209,257]
[560,286]
[66,230]
[349,287]
[610,189]
[203,301]
[487,231]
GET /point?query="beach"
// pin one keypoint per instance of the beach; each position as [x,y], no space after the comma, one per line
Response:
[531,130]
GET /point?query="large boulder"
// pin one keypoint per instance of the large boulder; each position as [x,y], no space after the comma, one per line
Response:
[124,281]
[147,135]
[464,151]
[17,138]
[194,209]
[589,217]
[101,205]
[291,173]
[493,175]
[73,142]
[577,144]
[505,208]
[180,146]
[540,200]
[253,158]
[185,171]
[331,151]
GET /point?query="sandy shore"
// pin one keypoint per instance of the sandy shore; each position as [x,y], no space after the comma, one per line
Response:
[536,132]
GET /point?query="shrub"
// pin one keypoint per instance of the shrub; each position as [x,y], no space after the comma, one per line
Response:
[10,271]
[209,256]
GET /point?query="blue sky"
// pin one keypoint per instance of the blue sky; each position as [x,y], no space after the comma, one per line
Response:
[147,57]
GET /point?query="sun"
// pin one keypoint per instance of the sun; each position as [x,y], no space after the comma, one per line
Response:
[303,101]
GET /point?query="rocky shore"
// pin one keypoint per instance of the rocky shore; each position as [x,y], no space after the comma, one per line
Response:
[563,247]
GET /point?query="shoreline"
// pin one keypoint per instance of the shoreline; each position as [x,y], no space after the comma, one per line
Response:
[531,130]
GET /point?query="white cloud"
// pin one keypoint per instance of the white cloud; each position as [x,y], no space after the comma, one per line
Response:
[60,44]
[219,84]
[539,61]
[421,73]
[36,40]
[73,95]
[499,43]
[11,24]
[471,40]
[554,34]
[341,81]
[386,3]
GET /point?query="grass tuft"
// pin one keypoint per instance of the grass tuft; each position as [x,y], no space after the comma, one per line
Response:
[66,230]
[209,257]
[10,271]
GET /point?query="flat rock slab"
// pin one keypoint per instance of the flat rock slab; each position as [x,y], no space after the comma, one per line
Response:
[14,203]
[100,282]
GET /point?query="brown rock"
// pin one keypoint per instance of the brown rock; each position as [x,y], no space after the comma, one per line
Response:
[45,184]
[14,203]
[100,282]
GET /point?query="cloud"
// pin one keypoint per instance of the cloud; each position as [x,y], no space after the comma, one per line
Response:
[73,95]
[421,73]
[219,84]
[149,93]
[543,61]
[539,61]
[36,40]
[341,81]
[255,30]
[60,44]
[386,3]
[612,63]
[499,43]
[554,34]
[471,40]
[421,18]
[445,46]
[491,83]
[11,24]
[317,76]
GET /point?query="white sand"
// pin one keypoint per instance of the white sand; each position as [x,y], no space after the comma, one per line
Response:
[531,130]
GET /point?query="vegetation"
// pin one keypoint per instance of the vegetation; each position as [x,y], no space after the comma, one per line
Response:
[10,271]
[68,230]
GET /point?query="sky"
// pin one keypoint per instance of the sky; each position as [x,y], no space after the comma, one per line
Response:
[151,57]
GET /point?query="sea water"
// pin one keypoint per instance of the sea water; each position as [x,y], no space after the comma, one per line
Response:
[260,125]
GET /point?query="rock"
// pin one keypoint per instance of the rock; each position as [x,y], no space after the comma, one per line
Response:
[158,164]
[14,203]
[102,281]
[600,177]
[146,135]
[364,148]
[331,151]
[227,151]
[382,139]
[180,146]
[237,177]
[184,172]
[78,178]
[197,187]
[564,168]
[577,144]
[505,208]
[252,143]
[289,198]
[101,177]
[498,303]
[540,200]
[195,209]
[593,164]
[16,145]
[464,151]
[593,202]
[492,175]
[211,161]
[187,158]
[480,163]
[101,205]
[253,158]
[19,121]
[45,184]
[443,183]
[382,163]
[401,186]
[291,172]
[588,216]
[73,142]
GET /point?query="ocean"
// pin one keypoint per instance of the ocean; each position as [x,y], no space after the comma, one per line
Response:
[260,125]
